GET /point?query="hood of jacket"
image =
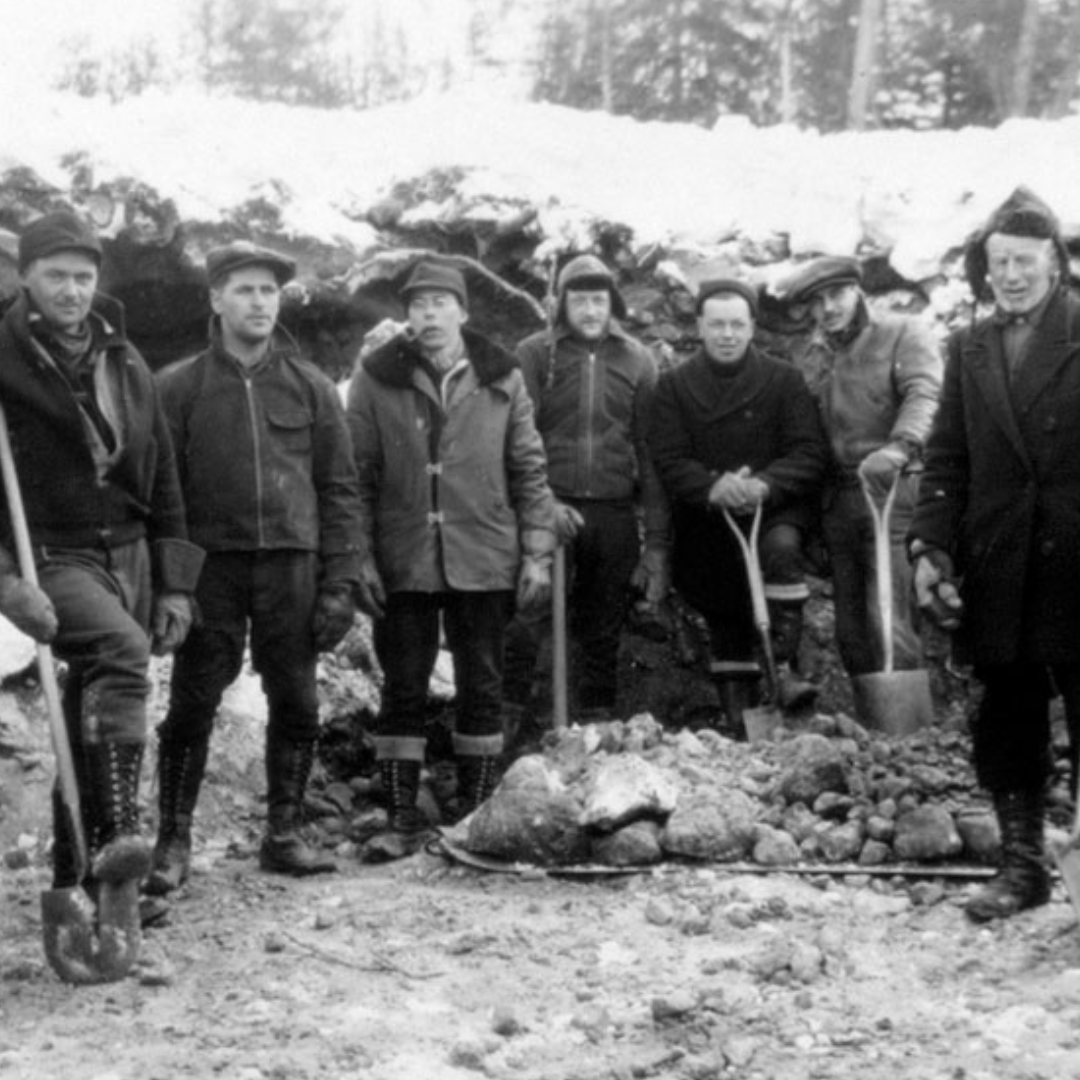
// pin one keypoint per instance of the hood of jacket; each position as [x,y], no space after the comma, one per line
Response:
[587,272]
[395,362]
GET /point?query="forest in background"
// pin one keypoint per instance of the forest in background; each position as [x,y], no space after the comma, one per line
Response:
[831,65]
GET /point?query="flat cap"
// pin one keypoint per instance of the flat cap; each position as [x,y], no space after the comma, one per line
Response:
[222,261]
[61,230]
[721,286]
[436,277]
[820,273]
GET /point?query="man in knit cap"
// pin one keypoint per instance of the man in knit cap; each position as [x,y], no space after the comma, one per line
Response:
[592,385]
[733,429]
[106,521]
[996,532]
[876,378]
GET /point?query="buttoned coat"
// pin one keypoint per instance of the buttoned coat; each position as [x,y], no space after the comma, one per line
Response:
[1001,490]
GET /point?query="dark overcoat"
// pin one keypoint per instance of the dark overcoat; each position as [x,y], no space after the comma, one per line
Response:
[1001,491]
[707,420]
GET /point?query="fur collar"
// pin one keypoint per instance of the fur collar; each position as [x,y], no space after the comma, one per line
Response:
[395,362]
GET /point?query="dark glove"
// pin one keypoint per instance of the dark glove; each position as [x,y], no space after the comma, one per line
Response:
[27,608]
[335,611]
[652,575]
[568,522]
[880,468]
[533,584]
[170,622]
[936,592]
[370,593]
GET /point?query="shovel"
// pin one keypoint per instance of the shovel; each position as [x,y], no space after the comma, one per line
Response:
[559,692]
[81,945]
[895,702]
[1067,855]
[762,722]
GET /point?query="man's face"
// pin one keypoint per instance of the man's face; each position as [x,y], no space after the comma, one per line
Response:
[248,302]
[834,306]
[436,318]
[588,312]
[726,327]
[62,287]
[1022,270]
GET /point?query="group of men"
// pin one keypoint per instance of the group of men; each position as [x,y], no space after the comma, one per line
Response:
[233,501]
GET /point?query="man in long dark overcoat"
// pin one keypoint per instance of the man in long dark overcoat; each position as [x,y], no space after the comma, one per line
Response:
[732,428]
[999,510]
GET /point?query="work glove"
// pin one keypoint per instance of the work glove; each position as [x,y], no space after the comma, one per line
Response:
[27,607]
[533,584]
[880,468]
[335,611]
[568,522]
[652,575]
[370,593]
[936,592]
[170,621]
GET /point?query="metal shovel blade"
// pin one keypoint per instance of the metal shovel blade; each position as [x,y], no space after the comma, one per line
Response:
[762,723]
[84,946]
[894,702]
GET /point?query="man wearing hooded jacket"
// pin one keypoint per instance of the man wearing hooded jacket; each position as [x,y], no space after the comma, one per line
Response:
[999,511]
[271,493]
[592,386]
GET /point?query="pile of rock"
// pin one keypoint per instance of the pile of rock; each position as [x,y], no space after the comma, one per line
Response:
[632,794]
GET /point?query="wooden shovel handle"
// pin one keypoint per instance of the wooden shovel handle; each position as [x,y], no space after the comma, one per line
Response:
[559,677]
[880,516]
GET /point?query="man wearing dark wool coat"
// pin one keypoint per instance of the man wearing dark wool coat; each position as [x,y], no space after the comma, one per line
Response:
[995,540]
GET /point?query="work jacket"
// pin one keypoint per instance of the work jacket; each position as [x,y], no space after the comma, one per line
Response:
[882,387]
[592,402]
[72,499]
[264,456]
[1001,489]
[455,490]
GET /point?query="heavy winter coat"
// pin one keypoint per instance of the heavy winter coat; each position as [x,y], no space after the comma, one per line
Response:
[1001,491]
[708,420]
[453,495]
[65,502]
[264,456]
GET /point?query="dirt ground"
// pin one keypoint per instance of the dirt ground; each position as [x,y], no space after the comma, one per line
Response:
[427,970]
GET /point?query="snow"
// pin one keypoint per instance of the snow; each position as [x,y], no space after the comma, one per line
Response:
[913,195]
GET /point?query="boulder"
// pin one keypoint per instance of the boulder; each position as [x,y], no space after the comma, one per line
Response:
[927,833]
[624,788]
[715,825]
[814,765]
[635,845]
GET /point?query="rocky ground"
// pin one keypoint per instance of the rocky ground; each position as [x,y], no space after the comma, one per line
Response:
[428,968]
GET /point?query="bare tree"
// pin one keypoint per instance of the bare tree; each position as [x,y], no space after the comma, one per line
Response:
[1065,90]
[863,74]
[1026,49]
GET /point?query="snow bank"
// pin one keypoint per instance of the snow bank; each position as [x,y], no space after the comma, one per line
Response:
[912,195]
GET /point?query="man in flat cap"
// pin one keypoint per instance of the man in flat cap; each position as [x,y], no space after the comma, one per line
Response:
[459,521]
[732,429]
[999,511]
[876,378]
[106,521]
[271,494]
[592,385]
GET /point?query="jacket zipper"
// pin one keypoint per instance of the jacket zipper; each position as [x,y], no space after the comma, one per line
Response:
[249,391]
[590,385]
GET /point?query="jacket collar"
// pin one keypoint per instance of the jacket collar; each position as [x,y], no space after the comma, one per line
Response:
[281,342]
[106,316]
[718,394]
[395,362]
[615,329]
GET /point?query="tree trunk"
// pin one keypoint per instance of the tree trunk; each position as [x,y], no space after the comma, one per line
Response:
[607,95]
[1020,91]
[787,92]
[1070,72]
[863,72]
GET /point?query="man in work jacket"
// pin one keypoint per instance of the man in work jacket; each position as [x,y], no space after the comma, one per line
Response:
[999,510]
[733,429]
[458,515]
[592,385]
[106,521]
[271,493]
[876,378]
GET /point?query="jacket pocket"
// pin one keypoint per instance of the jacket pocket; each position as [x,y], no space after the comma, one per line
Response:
[290,429]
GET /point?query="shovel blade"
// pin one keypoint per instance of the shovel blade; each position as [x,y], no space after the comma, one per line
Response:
[85,946]
[894,702]
[762,723]
[1067,857]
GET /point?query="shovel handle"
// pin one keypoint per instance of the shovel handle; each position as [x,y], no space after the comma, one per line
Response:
[65,765]
[880,516]
[559,704]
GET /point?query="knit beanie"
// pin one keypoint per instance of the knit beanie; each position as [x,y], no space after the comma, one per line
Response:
[60,230]
[727,286]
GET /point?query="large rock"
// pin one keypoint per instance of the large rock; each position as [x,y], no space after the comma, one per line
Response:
[927,833]
[715,825]
[624,788]
[636,845]
[814,765]
[532,817]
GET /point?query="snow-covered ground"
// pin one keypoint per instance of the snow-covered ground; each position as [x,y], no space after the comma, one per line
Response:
[913,195]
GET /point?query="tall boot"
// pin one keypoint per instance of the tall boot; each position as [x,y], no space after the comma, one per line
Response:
[406,828]
[478,776]
[792,691]
[284,849]
[119,852]
[180,772]
[1023,881]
